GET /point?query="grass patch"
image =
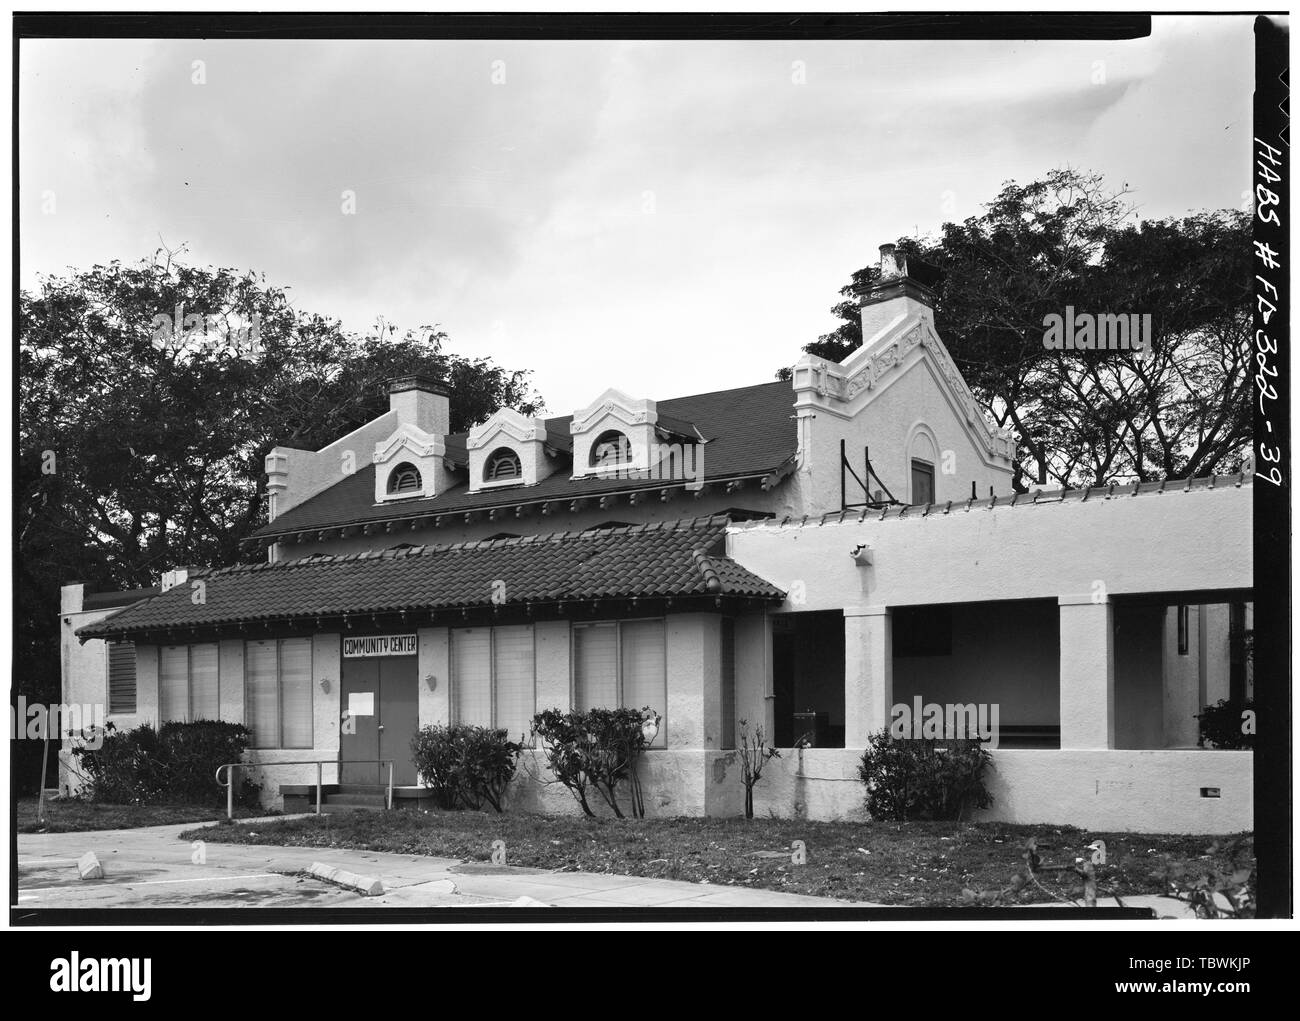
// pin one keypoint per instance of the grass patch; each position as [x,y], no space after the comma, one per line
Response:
[68,815]
[917,863]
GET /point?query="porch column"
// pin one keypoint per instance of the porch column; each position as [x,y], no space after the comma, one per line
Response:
[868,672]
[1087,672]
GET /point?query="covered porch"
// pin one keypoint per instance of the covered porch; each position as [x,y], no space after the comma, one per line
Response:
[1098,623]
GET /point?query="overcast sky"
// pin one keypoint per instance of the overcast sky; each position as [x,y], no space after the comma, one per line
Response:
[666,218]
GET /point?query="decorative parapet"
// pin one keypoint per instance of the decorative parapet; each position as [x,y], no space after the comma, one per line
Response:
[821,382]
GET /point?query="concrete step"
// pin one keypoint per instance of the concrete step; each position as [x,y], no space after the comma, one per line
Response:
[356,800]
[363,788]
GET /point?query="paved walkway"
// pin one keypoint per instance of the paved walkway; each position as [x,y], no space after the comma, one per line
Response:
[150,868]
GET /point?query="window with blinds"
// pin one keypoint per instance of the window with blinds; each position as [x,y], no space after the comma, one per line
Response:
[295,693]
[188,683]
[595,666]
[622,664]
[205,694]
[174,684]
[494,677]
[471,672]
[121,677]
[278,692]
[514,679]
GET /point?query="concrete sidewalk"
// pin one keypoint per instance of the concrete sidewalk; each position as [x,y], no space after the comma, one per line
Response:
[150,868]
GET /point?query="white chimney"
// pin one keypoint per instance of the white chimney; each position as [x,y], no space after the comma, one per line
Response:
[893,296]
[422,402]
[176,576]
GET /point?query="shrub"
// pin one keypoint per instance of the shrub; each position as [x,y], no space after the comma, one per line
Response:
[174,763]
[192,752]
[465,765]
[125,768]
[596,750]
[1222,724]
[433,749]
[925,778]
[564,743]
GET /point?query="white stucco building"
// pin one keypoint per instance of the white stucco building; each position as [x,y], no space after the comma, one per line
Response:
[804,554]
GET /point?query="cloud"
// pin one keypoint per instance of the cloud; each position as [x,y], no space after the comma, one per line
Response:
[665,217]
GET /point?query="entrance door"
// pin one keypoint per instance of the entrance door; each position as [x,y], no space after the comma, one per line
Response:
[399,716]
[380,715]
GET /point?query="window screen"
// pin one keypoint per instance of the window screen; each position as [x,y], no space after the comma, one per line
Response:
[173,683]
[295,693]
[205,702]
[644,679]
[261,695]
[471,665]
[595,666]
[621,665]
[513,671]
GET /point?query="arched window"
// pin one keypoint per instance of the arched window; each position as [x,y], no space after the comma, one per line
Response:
[611,449]
[923,455]
[405,478]
[503,466]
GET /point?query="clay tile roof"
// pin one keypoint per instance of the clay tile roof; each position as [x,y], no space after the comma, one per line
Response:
[750,432]
[665,559]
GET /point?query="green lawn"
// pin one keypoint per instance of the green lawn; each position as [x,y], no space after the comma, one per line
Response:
[916,863]
[66,815]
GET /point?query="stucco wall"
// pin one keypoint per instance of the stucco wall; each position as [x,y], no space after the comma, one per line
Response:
[1129,544]
[917,403]
[754,672]
[296,475]
[1154,791]
[85,682]
[1129,791]
[906,409]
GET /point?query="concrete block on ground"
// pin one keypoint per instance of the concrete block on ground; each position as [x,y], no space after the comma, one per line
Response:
[367,886]
[88,866]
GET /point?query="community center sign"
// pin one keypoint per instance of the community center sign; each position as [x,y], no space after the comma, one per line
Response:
[379,645]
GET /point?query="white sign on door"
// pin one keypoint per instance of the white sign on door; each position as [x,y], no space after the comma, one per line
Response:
[361,703]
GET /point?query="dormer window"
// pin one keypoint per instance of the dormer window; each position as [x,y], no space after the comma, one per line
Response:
[612,449]
[503,466]
[405,478]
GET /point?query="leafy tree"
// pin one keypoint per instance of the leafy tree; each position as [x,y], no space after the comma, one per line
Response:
[140,450]
[1091,417]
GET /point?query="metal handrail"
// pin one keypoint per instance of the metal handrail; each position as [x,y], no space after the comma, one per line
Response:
[229,782]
